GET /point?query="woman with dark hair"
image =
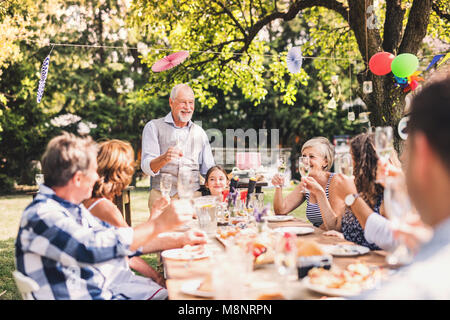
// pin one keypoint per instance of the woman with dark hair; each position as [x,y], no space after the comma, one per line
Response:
[365,163]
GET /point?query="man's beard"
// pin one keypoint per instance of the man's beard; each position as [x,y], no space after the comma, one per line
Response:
[184,118]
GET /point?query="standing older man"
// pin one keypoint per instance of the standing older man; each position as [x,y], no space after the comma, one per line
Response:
[70,253]
[428,179]
[174,141]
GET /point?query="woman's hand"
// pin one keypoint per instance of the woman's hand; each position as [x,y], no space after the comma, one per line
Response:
[312,185]
[158,206]
[278,180]
[345,185]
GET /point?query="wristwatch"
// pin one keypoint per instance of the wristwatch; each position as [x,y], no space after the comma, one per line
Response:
[350,199]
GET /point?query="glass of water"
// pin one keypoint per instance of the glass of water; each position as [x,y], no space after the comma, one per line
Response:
[206,210]
[186,183]
[286,255]
[304,167]
[384,143]
[165,184]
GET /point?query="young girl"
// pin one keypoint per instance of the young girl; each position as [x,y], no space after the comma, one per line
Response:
[216,180]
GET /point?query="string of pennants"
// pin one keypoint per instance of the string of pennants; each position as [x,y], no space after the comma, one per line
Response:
[294,60]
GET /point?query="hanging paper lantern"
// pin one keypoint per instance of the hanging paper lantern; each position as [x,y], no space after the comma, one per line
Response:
[44,72]
[351,116]
[404,65]
[170,61]
[331,104]
[294,59]
[380,63]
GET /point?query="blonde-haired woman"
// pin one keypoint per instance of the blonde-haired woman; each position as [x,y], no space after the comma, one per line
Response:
[116,166]
[324,205]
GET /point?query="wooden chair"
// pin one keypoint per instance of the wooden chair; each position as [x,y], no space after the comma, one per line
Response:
[123,202]
[25,284]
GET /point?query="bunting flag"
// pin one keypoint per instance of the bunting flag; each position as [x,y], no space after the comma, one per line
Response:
[44,72]
[434,61]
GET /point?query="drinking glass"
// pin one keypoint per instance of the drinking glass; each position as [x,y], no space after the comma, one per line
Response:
[206,209]
[39,178]
[398,209]
[186,182]
[165,184]
[304,167]
[281,167]
[286,255]
[343,164]
[384,143]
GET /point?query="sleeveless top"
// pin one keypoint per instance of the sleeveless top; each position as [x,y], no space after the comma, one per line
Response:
[95,203]
[312,209]
[352,230]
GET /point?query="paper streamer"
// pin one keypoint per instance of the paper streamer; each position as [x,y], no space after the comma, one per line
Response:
[44,72]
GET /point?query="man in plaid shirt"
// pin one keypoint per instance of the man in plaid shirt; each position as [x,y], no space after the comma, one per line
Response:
[70,253]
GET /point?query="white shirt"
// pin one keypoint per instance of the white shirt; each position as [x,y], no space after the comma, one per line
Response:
[378,230]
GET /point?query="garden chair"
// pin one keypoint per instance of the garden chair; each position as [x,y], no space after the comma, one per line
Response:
[25,284]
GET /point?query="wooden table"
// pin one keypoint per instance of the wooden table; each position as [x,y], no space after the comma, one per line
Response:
[177,272]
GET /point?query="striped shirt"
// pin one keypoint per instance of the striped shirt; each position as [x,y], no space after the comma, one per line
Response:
[313,210]
[73,255]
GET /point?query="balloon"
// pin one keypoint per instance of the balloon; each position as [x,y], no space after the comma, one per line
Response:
[404,65]
[401,80]
[380,63]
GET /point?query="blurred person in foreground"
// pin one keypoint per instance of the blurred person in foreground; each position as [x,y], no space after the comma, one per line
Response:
[427,174]
[70,253]
[116,165]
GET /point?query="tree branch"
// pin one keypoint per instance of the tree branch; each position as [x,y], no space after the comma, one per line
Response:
[393,25]
[416,28]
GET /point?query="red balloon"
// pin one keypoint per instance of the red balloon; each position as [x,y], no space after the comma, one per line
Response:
[380,63]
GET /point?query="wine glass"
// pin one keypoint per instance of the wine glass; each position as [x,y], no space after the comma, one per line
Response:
[165,185]
[343,164]
[281,167]
[398,209]
[304,167]
[286,255]
[186,183]
[39,178]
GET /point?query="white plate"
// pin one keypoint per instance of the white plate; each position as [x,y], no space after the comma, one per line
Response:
[191,287]
[332,292]
[296,230]
[181,254]
[345,250]
[278,218]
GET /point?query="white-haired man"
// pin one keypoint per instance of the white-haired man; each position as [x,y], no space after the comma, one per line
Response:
[174,141]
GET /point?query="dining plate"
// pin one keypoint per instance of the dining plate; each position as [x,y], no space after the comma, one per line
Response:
[278,218]
[296,230]
[191,287]
[345,250]
[332,292]
[181,254]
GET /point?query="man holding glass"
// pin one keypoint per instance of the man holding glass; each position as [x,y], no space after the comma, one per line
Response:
[427,173]
[175,142]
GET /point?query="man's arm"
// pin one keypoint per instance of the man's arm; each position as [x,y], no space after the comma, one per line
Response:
[150,149]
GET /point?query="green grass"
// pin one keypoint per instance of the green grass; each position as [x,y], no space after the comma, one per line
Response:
[12,206]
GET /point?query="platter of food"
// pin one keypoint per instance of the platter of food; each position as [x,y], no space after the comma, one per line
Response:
[337,282]
[345,250]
